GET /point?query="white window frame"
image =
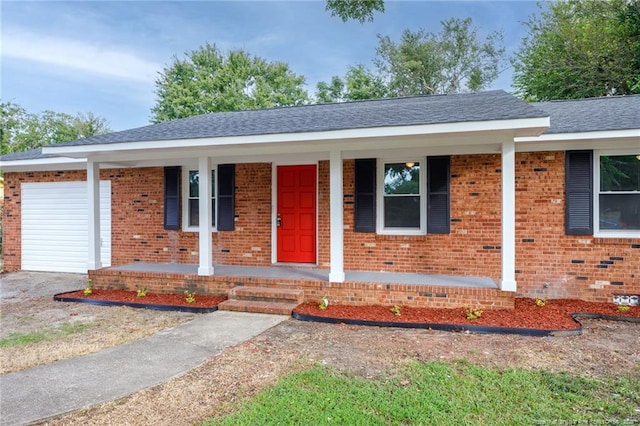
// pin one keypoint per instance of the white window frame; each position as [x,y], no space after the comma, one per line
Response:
[380,228]
[186,198]
[608,233]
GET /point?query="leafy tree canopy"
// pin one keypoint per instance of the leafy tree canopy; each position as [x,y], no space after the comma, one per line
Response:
[422,63]
[359,10]
[359,84]
[455,60]
[22,130]
[208,80]
[580,49]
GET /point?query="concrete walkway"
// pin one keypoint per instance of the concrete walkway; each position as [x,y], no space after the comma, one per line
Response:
[50,390]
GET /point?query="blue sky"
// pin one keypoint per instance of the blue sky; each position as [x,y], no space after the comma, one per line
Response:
[103,56]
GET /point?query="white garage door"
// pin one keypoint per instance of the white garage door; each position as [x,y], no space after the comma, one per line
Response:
[55,227]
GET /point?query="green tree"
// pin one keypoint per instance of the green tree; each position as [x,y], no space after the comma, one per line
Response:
[21,130]
[422,63]
[455,60]
[580,49]
[208,80]
[359,84]
[359,10]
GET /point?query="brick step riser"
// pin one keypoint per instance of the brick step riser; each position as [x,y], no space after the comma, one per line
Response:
[258,298]
[256,307]
[267,295]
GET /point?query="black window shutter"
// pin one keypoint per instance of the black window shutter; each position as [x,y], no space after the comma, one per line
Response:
[438,195]
[172,198]
[579,192]
[365,195]
[226,197]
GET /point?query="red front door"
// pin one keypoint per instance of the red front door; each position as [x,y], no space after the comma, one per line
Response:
[296,214]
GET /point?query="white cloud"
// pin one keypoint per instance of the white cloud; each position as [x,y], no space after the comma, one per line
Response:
[79,55]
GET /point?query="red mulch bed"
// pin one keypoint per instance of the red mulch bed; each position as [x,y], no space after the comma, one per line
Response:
[172,299]
[554,315]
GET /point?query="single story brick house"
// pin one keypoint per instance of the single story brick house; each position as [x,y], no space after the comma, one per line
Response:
[447,200]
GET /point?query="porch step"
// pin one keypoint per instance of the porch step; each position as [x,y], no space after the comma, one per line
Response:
[263,300]
[287,295]
[257,306]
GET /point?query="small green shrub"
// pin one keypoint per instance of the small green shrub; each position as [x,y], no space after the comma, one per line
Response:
[323,303]
[190,297]
[472,313]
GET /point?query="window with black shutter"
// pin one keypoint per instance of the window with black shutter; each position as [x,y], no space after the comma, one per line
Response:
[172,198]
[365,195]
[226,197]
[616,209]
[438,195]
[579,192]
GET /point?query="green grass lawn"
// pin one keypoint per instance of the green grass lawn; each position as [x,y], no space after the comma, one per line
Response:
[20,339]
[442,394]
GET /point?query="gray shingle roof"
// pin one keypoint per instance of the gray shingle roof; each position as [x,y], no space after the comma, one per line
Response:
[32,154]
[593,114]
[610,113]
[483,106]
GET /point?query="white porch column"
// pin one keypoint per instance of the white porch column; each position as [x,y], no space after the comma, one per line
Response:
[205,250]
[508,217]
[336,274]
[93,214]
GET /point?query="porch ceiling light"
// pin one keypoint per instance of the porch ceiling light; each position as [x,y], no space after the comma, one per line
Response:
[410,164]
[638,157]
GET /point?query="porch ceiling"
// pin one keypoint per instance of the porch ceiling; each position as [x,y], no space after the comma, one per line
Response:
[287,272]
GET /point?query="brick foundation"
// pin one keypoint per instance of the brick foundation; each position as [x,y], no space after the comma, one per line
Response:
[353,293]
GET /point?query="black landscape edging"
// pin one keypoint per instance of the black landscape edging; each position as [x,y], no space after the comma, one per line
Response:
[534,332]
[481,329]
[194,310]
[576,316]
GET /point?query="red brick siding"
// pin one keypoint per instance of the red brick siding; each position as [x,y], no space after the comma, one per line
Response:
[475,228]
[573,265]
[324,224]
[138,213]
[250,243]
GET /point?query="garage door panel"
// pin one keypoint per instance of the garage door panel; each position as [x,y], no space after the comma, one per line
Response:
[55,226]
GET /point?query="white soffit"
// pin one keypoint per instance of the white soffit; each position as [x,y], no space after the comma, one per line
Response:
[623,139]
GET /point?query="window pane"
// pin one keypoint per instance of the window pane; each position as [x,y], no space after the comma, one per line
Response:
[402,212]
[193,184]
[619,173]
[194,180]
[194,212]
[620,211]
[401,178]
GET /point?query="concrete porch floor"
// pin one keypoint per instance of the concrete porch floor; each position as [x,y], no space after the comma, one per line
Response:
[312,273]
